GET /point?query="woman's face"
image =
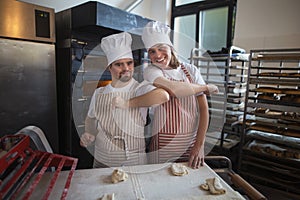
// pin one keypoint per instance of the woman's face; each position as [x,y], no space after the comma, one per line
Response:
[160,55]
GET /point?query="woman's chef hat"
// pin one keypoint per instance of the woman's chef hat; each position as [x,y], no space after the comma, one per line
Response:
[155,33]
[117,46]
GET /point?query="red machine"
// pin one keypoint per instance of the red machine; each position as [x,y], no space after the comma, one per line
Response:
[22,169]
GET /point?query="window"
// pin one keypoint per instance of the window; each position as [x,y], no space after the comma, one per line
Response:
[183,2]
[184,34]
[207,24]
[213,28]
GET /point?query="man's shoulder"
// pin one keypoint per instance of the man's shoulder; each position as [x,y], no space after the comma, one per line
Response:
[100,90]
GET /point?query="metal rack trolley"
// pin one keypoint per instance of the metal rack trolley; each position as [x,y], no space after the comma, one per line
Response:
[270,150]
[227,70]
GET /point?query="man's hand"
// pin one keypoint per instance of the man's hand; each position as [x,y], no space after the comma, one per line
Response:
[119,102]
[86,139]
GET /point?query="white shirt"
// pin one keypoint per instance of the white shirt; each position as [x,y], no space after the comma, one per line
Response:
[139,88]
[152,72]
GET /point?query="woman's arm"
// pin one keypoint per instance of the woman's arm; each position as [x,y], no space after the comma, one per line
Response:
[183,89]
[197,153]
[152,98]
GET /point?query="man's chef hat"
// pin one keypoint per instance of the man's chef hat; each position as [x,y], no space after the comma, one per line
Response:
[155,33]
[117,46]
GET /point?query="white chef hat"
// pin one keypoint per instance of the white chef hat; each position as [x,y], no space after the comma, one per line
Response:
[155,33]
[117,46]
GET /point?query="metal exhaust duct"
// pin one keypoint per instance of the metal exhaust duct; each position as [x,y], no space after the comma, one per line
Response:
[133,5]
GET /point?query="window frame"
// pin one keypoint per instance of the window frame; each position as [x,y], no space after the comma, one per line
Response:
[197,7]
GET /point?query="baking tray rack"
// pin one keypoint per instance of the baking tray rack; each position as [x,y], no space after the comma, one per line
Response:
[264,167]
[22,168]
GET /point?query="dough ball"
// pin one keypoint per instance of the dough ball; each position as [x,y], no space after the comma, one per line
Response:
[119,175]
[179,169]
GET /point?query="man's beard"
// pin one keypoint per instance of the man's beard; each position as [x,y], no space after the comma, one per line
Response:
[125,78]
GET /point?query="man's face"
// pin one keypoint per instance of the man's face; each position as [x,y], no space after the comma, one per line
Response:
[122,69]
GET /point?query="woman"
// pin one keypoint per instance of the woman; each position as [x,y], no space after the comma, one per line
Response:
[180,124]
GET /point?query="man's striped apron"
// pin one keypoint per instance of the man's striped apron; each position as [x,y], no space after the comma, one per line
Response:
[121,141]
[175,128]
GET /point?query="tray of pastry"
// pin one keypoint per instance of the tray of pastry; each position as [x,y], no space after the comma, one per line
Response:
[279,129]
[274,138]
[270,165]
[273,68]
[274,105]
[273,150]
[278,99]
[274,81]
[289,117]
[292,56]
[231,98]
[291,91]
[264,171]
[278,74]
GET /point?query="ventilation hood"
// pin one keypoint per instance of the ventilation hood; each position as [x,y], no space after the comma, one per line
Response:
[92,16]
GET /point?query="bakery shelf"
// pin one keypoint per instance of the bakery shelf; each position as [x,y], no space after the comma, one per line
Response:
[228,70]
[271,118]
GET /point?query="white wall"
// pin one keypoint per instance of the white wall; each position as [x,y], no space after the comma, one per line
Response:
[154,9]
[263,24]
[259,23]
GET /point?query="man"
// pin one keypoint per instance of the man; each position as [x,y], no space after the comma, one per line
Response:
[118,133]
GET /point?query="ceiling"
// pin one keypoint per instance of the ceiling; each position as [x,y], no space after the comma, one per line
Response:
[59,5]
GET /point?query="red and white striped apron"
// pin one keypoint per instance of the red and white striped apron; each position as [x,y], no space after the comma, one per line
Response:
[121,141]
[175,128]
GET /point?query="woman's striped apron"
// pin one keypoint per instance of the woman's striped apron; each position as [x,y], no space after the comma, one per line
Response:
[121,139]
[175,128]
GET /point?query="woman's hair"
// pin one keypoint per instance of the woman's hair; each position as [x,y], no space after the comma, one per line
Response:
[174,62]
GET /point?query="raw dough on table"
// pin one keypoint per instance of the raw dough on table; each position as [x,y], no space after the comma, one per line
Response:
[108,197]
[119,175]
[179,169]
[214,186]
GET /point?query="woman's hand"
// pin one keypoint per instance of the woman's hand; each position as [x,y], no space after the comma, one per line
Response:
[86,139]
[211,89]
[119,102]
[196,156]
